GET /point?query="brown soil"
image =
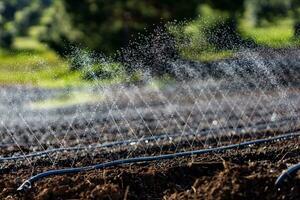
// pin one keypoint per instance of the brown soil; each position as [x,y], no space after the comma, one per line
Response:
[248,173]
[237,174]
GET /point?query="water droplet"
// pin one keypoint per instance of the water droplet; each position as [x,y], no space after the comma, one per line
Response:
[273,117]
[215,123]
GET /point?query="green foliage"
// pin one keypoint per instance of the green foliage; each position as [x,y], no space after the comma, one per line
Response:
[56,28]
[272,22]
[38,68]
[80,59]
[199,39]
[216,29]
[233,7]
[6,39]
[276,35]
[211,22]
[106,26]
[270,10]
[17,16]
[93,66]
[296,15]
[103,71]
[28,44]
[29,16]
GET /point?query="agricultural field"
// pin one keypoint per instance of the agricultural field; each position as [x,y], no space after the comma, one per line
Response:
[214,138]
[131,99]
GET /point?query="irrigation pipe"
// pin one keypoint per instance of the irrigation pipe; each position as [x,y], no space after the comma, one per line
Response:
[259,126]
[28,183]
[291,171]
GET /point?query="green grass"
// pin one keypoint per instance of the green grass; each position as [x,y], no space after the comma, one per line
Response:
[32,63]
[206,56]
[274,35]
[28,43]
[192,37]
[69,99]
[160,83]
[42,69]
[37,68]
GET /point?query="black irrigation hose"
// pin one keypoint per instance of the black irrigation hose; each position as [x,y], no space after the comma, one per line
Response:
[28,183]
[291,171]
[261,126]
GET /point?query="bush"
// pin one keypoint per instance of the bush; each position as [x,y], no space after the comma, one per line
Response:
[80,58]
[103,71]
[151,53]
[6,39]
[269,11]
[107,26]
[93,66]
[213,31]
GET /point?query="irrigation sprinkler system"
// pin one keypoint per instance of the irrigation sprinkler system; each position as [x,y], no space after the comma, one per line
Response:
[256,127]
[28,183]
[132,122]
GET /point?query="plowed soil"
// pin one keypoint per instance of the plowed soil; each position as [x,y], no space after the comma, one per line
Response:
[248,173]
[186,107]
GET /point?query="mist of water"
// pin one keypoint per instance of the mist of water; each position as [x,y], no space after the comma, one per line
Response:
[194,104]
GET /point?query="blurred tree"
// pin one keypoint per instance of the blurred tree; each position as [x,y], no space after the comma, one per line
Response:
[234,7]
[16,16]
[223,33]
[57,29]
[29,15]
[7,11]
[106,26]
[295,5]
[270,10]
